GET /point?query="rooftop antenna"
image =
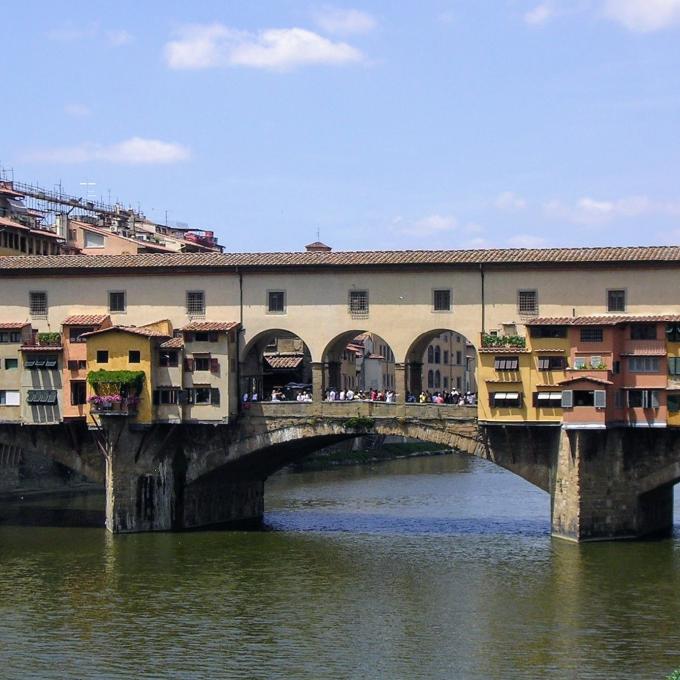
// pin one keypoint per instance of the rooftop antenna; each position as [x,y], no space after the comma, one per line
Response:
[318,234]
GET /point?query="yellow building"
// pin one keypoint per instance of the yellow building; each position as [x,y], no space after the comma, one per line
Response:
[124,348]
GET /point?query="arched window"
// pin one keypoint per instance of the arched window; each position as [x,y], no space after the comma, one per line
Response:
[430,355]
[437,379]
[430,378]
[437,355]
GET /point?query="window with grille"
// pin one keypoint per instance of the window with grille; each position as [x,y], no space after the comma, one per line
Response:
[591,334]
[442,300]
[552,363]
[38,303]
[116,301]
[276,301]
[506,363]
[527,302]
[358,303]
[196,303]
[616,300]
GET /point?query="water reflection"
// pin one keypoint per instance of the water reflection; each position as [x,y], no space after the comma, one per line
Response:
[437,568]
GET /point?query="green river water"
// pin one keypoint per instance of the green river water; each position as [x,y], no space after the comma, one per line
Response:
[438,567]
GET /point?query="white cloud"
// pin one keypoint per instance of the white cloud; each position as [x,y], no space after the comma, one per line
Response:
[588,210]
[77,110]
[344,21]
[510,201]
[216,45]
[133,151]
[427,226]
[539,14]
[526,241]
[643,15]
[70,33]
[118,37]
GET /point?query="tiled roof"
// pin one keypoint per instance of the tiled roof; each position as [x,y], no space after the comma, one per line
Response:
[6,222]
[173,343]
[85,319]
[588,378]
[283,361]
[135,330]
[13,325]
[503,382]
[603,320]
[211,326]
[503,350]
[512,256]
[548,350]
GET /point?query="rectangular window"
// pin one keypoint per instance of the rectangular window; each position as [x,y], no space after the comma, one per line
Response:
[592,334]
[673,402]
[199,395]
[446,357]
[358,303]
[643,399]
[134,356]
[442,300]
[505,399]
[673,332]
[673,365]
[168,359]
[459,358]
[166,395]
[506,363]
[202,336]
[643,364]
[38,304]
[548,331]
[527,302]
[548,399]
[9,398]
[74,334]
[117,301]
[276,301]
[616,300]
[552,363]
[78,392]
[201,363]
[10,336]
[643,331]
[102,356]
[41,397]
[196,303]
[11,364]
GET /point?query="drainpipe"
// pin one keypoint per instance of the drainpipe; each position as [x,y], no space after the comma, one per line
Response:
[481,274]
[238,340]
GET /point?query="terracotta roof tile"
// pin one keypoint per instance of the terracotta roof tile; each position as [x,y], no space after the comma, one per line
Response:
[173,343]
[6,222]
[503,350]
[513,256]
[13,325]
[135,330]
[85,319]
[602,320]
[283,361]
[587,378]
[211,326]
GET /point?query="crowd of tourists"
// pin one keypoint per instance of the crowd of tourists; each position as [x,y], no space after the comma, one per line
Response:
[453,397]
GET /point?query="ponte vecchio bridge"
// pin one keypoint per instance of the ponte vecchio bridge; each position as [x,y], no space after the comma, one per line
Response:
[186,472]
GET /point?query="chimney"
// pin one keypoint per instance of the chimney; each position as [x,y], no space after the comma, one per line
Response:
[317,247]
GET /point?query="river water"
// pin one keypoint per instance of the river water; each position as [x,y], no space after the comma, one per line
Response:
[438,567]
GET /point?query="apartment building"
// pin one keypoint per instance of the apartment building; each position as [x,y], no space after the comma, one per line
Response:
[12,336]
[41,365]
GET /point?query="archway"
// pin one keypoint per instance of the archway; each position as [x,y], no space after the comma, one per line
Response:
[441,360]
[360,361]
[275,362]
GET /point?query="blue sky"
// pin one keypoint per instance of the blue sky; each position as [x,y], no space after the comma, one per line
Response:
[459,124]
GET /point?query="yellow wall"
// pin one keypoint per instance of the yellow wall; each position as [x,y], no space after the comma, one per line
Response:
[118,344]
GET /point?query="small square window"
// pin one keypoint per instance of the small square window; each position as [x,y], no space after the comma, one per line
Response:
[102,356]
[442,300]
[527,302]
[276,301]
[201,363]
[38,303]
[196,303]
[616,300]
[117,301]
[358,303]
[11,363]
[134,356]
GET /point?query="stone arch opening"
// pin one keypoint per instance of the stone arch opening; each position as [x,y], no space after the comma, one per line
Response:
[441,360]
[361,361]
[276,364]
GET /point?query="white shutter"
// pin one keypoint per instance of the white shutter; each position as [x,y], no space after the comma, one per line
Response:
[12,398]
[567,399]
[600,398]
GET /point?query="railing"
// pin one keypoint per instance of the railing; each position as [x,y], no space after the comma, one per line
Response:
[119,408]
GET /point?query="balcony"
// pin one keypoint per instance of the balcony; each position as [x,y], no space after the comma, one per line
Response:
[112,406]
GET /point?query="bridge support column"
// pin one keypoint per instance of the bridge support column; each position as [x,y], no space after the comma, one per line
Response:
[415,377]
[400,384]
[318,386]
[595,490]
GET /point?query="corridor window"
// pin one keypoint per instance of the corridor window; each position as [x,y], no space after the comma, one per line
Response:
[527,302]
[506,363]
[548,331]
[442,300]
[643,331]
[117,301]
[276,301]
[358,303]
[616,300]
[38,303]
[643,364]
[196,303]
[592,334]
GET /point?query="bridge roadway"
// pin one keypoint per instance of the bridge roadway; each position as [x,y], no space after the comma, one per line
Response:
[605,484]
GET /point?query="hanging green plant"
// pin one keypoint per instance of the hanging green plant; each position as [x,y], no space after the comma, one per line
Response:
[49,339]
[110,381]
